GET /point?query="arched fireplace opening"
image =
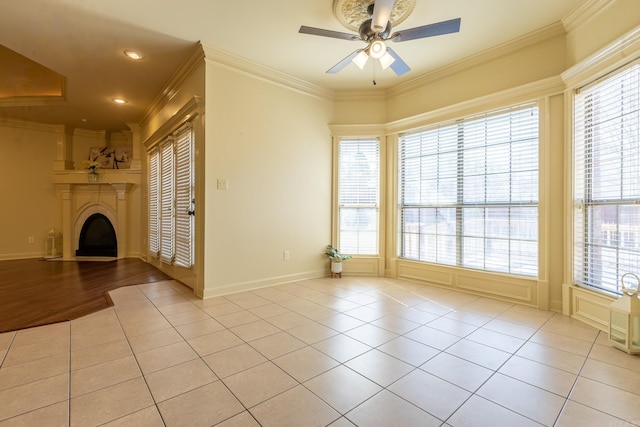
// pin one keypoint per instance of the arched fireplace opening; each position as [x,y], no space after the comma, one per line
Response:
[97,238]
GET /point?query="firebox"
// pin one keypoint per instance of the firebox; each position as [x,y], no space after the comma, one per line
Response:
[97,237]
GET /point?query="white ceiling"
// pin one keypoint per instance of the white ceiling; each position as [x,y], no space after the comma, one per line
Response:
[83,40]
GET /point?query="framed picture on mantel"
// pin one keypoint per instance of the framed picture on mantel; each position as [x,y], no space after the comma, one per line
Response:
[111,157]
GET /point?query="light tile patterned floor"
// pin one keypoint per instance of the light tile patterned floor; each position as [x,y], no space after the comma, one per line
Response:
[326,352]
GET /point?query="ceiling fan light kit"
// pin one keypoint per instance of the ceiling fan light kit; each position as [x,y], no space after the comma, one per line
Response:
[386,60]
[373,22]
[361,59]
[377,49]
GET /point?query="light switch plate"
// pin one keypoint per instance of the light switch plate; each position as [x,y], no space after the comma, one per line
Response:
[223,184]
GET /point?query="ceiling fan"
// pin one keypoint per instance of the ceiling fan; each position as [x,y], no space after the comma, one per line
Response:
[376,31]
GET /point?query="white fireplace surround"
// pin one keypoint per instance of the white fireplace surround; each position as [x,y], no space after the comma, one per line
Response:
[79,199]
[85,214]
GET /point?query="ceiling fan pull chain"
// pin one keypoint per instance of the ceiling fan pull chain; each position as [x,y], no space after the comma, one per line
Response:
[373,66]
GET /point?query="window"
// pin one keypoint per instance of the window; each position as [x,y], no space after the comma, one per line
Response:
[171,200]
[469,192]
[358,195]
[607,180]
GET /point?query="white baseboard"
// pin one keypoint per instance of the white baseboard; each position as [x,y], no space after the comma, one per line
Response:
[262,283]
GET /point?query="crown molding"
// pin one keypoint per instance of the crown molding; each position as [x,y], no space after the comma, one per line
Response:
[366,96]
[543,34]
[25,125]
[585,12]
[38,101]
[193,108]
[91,134]
[357,130]
[33,101]
[188,67]
[623,50]
[525,93]
[214,55]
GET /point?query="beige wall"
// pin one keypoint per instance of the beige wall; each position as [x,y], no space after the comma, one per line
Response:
[555,195]
[26,185]
[360,109]
[273,146]
[83,141]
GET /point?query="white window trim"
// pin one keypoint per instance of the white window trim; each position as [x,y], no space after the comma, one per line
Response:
[375,206]
[375,265]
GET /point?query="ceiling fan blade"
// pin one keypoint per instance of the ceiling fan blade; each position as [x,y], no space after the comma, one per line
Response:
[437,29]
[327,33]
[346,61]
[381,14]
[398,66]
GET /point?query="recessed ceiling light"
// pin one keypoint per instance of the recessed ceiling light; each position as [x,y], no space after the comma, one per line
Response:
[119,100]
[133,54]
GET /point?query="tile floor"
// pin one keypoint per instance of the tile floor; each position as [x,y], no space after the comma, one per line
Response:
[326,352]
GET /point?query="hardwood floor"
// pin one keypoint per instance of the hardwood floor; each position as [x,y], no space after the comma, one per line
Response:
[36,292]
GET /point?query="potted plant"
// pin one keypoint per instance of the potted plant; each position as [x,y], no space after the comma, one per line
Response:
[336,260]
[91,165]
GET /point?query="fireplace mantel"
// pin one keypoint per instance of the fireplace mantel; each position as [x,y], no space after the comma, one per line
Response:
[78,199]
[123,176]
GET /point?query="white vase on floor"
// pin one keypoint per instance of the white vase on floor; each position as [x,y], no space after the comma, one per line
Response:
[336,267]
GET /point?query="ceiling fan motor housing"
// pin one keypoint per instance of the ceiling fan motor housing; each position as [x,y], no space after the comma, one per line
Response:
[367,33]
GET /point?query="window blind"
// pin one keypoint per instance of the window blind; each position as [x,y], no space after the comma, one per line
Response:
[607,180]
[184,197]
[167,218]
[154,198]
[358,195]
[469,192]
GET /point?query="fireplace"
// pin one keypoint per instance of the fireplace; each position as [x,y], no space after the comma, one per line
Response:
[97,237]
[96,217]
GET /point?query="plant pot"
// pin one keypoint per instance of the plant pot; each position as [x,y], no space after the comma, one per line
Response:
[336,267]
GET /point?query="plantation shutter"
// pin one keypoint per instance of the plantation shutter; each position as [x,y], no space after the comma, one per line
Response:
[154,202]
[167,215]
[184,197]
[358,195]
[607,180]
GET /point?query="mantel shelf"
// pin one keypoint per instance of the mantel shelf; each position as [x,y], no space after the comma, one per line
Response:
[115,177]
